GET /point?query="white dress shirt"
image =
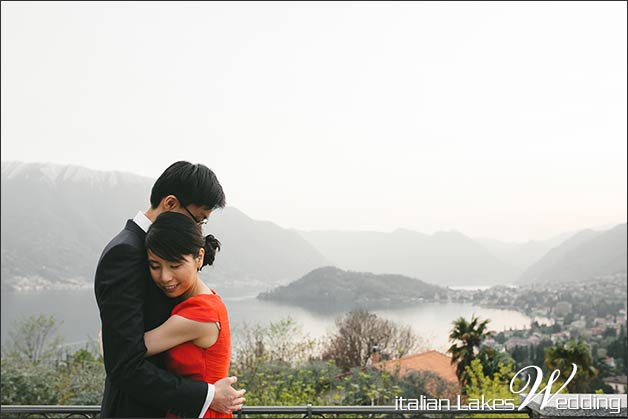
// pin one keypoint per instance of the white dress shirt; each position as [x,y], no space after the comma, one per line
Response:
[144,223]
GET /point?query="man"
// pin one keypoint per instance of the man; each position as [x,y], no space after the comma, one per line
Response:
[130,304]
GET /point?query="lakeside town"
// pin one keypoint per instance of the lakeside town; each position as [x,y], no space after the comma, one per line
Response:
[592,311]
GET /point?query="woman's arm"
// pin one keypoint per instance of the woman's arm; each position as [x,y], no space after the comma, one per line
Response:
[175,331]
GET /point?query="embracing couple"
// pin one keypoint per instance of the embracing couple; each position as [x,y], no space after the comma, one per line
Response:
[165,334]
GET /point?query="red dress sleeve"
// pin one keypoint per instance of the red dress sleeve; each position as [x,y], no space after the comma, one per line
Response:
[198,308]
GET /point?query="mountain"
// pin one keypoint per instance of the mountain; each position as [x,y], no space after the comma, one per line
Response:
[330,289]
[445,258]
[258,255]
[521,255]
[56,220]
[584,256]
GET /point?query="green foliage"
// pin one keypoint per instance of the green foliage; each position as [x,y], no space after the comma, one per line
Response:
[562,356]
[368,386]
[466,338]
[428,384]
[492,386]
[24,382]
[278,366]
[279,342]
[35,370]
[492,361]
[81,379]
[281,385]
[617,348]
[323,383]
[34,339]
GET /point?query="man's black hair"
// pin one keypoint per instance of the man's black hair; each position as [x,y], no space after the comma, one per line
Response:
[174,235]
[191,184]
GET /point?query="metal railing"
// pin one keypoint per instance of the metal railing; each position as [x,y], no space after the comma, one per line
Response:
[310,412]
[304,412]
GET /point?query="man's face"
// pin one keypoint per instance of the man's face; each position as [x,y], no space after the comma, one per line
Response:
[198,213]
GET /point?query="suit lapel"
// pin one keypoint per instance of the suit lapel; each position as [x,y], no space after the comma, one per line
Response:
[135,229]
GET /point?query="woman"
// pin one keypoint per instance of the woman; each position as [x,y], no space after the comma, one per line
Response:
[196,336]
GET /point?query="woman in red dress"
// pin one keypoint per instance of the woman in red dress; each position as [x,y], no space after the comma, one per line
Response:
[196,337]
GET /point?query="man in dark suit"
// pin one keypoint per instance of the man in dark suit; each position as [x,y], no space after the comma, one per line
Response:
[130,304]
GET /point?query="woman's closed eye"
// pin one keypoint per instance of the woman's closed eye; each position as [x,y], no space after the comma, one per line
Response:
[156,267]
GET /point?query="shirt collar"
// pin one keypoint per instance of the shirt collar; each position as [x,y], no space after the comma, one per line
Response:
[142,221]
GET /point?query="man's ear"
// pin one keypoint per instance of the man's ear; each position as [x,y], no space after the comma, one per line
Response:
[169,202]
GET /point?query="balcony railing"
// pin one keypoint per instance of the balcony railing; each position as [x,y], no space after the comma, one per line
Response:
[302,412]
[309,411]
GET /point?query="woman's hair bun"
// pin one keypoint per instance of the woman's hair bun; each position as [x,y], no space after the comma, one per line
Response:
[211,246]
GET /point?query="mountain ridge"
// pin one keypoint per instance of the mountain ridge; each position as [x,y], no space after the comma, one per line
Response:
[585,255]
[56,219]
[448,258]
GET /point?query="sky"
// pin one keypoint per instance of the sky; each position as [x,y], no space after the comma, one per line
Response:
[502,120]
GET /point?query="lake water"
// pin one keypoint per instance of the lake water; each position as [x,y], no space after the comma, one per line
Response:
[78,311]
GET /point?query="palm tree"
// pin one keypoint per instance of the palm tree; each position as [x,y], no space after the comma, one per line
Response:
[466,338]
[574,352]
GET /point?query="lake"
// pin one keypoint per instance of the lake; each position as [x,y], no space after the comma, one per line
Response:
[78,311]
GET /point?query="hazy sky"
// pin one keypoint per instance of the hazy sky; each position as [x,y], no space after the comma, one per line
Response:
[503,120]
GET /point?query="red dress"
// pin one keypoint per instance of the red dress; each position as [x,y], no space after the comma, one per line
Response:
[191,361]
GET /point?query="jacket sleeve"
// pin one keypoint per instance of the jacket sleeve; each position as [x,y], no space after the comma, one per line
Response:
[120,292]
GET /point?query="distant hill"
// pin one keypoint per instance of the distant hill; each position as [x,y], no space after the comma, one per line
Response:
[446,258]
[56,220]
[258,255]
[584,256]
[330,289]
[521,255]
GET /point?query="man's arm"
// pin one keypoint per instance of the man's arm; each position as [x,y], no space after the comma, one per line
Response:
[120,292]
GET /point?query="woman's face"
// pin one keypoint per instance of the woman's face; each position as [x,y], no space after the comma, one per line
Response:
[174,278]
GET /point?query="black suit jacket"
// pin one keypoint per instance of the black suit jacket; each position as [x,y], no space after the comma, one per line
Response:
[130,304]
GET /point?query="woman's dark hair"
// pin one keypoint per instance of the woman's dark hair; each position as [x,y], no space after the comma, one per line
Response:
[191,184]
[174,235]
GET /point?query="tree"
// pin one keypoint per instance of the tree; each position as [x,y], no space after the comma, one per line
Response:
[490,386]
[360,331]
[23,382]
[466,338]
[492,360]
[34,339]
[573,352]
[429,384]
[278,342]
[617,347]
[34,371]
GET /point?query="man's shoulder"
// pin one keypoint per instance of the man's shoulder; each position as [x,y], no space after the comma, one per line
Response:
[124,253]
[128,239]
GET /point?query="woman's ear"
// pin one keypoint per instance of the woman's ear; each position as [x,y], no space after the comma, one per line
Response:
[199,259]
